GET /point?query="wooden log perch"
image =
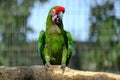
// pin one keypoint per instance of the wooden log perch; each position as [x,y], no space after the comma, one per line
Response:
[53,73]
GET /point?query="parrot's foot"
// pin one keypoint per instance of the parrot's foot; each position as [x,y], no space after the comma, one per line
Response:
[47,65]
[63,68]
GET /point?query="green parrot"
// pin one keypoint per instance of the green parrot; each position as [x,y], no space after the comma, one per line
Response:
[55,44]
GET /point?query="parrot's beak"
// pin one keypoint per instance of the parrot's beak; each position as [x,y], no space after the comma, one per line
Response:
[60,15]
[59,18]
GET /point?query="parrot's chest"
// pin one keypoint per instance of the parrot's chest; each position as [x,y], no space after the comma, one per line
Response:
[55,45]
[54,37]
[55,40]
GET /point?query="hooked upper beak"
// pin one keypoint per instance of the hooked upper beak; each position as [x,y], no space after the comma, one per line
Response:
[60,15]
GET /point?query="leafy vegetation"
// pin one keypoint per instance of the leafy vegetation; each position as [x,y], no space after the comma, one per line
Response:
[13,31]
[105,37]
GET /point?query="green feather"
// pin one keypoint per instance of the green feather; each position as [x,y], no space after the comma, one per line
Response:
[41,43]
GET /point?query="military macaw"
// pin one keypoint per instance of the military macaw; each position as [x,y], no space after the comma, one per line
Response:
[55,44]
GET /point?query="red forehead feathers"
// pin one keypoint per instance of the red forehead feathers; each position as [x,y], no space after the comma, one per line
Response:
[59,8]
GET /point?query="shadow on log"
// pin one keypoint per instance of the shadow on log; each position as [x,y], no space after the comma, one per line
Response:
[53,73]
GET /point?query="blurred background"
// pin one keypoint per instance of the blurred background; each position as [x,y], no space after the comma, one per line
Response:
[94,25]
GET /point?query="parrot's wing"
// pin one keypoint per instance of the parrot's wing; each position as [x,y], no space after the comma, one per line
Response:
[41,43]
[70,46]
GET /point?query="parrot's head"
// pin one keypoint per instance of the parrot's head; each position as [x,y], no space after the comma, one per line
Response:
[56,14]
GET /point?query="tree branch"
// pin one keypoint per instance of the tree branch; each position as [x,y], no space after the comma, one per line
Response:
[53,73]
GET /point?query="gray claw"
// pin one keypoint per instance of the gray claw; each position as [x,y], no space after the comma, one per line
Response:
[63,67]
[47,65]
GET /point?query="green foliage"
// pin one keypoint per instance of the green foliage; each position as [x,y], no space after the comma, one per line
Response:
[104,34]
[13,30]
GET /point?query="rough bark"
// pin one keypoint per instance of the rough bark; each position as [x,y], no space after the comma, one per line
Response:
[53,73]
